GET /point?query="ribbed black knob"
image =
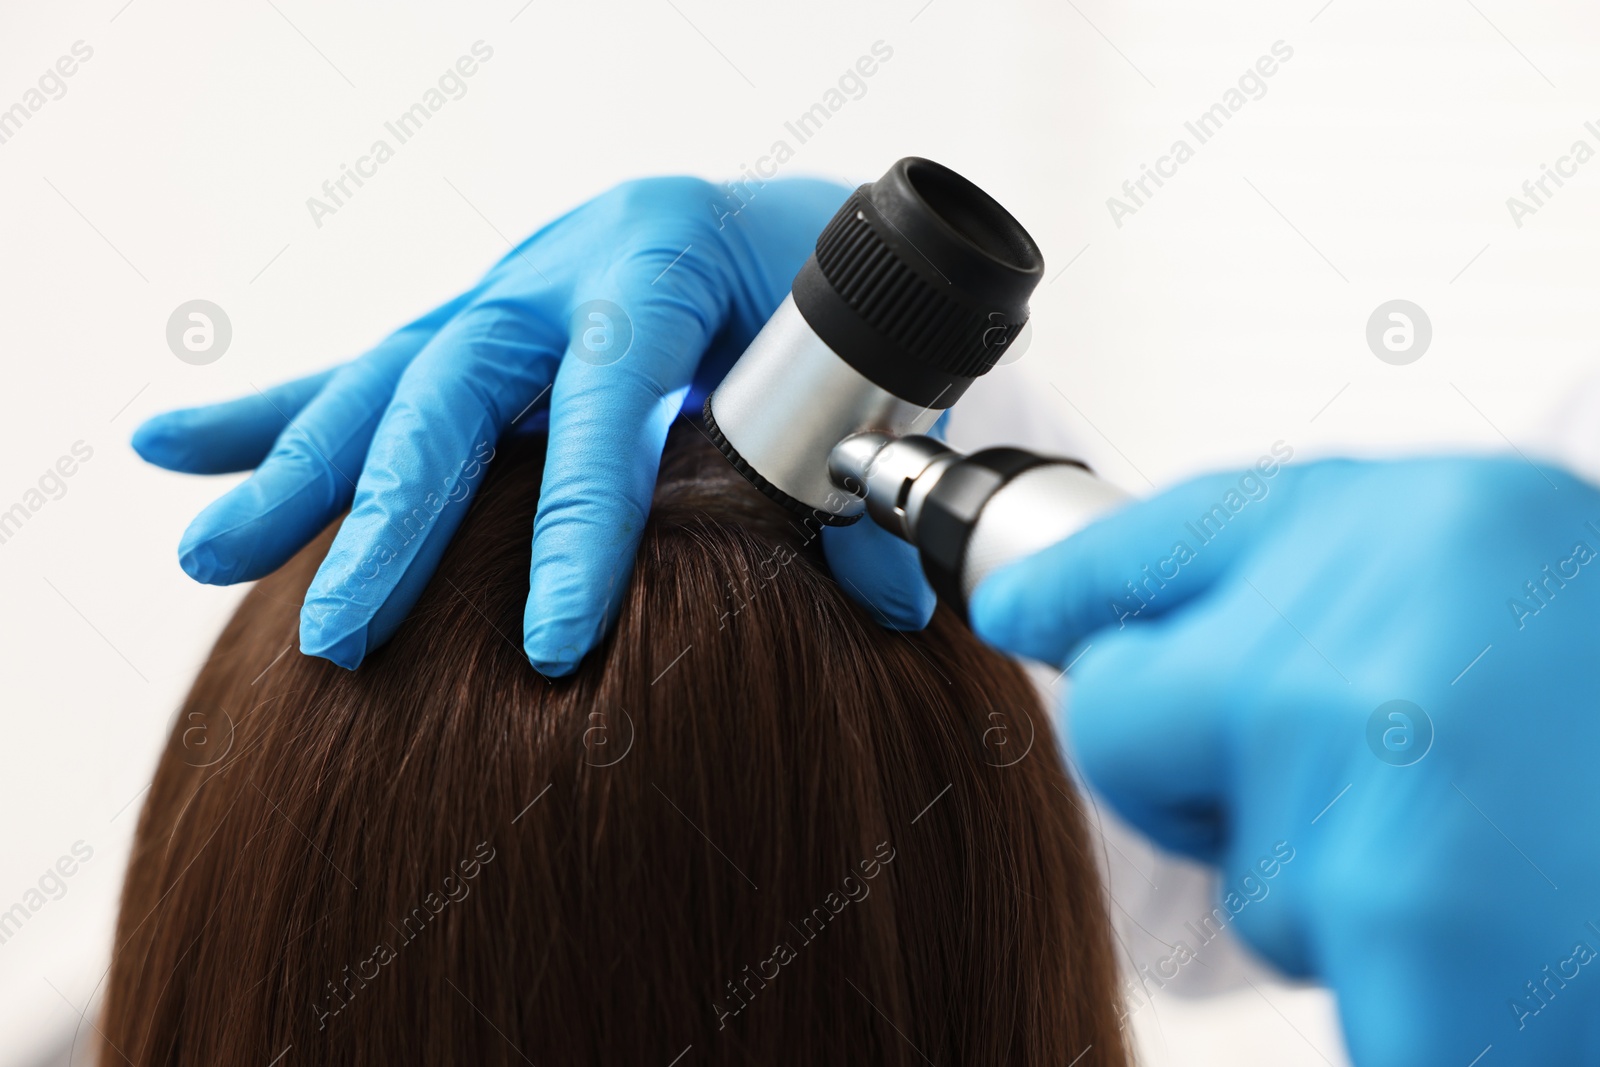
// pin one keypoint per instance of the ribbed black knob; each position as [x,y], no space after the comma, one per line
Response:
[920,282]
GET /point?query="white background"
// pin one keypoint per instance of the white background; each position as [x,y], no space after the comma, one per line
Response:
[1228,313]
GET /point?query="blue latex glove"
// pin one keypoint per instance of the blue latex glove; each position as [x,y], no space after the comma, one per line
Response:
[401,436]
[1240,705]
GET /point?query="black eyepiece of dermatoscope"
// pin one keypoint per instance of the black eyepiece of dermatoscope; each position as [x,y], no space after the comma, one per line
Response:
[917,286]
[920,282]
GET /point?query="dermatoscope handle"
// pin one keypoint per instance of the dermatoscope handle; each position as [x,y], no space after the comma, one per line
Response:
[969,515]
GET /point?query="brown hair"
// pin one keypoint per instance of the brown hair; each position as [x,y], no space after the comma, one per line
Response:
[754,827]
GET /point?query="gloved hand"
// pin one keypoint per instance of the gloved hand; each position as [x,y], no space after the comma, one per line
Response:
[1241,639]
[619,311]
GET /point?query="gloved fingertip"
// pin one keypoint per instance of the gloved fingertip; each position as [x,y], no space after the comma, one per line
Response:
[992,608]
[157,441]
[574,593]
[551,668]
[881,573]
[553,650]
[1005,611]
[346,650]
[906,610]
[200,561]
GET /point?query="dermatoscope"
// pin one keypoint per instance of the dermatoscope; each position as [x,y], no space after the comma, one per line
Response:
[916,288]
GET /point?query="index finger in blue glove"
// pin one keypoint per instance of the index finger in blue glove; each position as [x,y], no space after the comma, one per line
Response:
[1136,564]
